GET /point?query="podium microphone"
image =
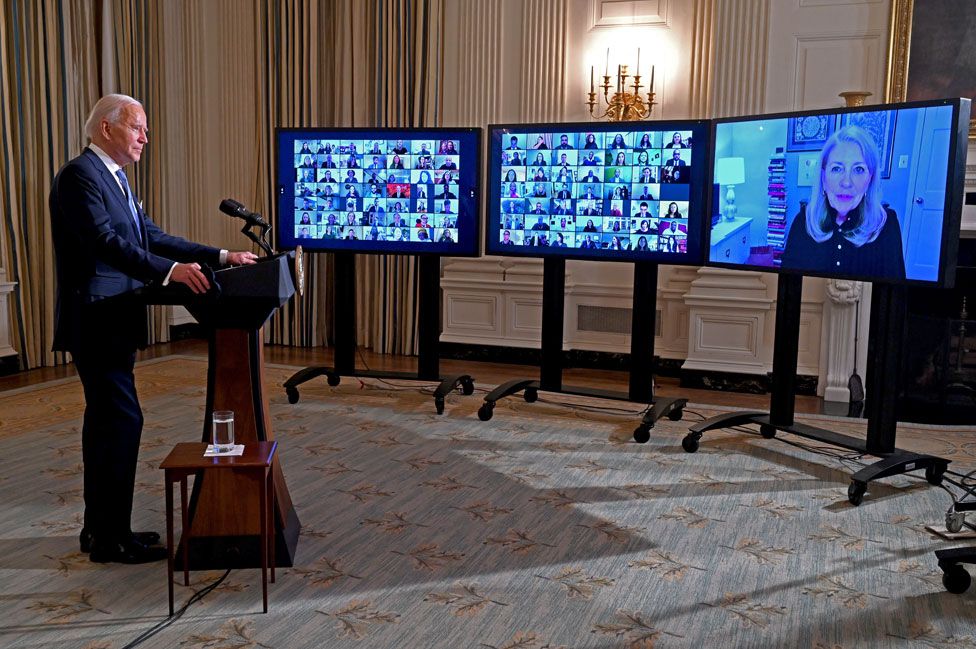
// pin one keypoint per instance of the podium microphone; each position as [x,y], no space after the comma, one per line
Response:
[232,208]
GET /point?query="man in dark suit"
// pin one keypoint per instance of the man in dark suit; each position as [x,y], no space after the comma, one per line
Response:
[675,160]
[105,245]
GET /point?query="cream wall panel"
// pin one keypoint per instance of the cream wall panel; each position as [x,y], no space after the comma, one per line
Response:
[808,354]
[825,73]
[613,13]
[826,62]
[473,312]
[723,334]
[524,318]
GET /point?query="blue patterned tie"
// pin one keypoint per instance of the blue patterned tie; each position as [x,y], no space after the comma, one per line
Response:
[132,206]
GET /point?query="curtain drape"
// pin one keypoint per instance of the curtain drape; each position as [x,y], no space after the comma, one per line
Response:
[48,82]
[410,61]
[355,63]
[216,79]
[137,35]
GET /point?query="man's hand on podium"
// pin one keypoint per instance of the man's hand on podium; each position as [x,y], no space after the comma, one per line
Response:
[241,257]
[192,276]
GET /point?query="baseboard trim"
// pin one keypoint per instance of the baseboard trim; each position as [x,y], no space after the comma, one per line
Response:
[588,359]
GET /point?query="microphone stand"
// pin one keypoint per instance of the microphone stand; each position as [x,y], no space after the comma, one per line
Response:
[262,243]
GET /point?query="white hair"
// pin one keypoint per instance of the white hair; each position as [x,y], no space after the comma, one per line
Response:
[108,108]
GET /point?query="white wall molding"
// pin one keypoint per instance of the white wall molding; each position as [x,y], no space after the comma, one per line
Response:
[6,290]
[820,57]
[729,314]
[617,13]
[838,336]
[741,57]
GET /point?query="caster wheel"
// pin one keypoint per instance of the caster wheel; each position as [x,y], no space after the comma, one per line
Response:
[467,388]
[955,521]
[531,395]
[333,380]
[934,475]
[689,443]
[439,404]
[956,579]
[855,492]
[769,432]
[676,414]
[485,411]
[292,395]
[642,433]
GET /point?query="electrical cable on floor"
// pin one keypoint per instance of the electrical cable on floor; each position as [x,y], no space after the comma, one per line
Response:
[700,416]
[197,596]
[600,409]
[401,388]
[359,350]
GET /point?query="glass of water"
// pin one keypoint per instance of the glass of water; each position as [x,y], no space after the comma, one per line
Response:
[223,431]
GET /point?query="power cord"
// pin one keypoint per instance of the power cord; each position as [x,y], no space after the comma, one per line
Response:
[197,596]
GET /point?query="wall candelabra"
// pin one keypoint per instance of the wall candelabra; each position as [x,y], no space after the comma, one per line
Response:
[626,103]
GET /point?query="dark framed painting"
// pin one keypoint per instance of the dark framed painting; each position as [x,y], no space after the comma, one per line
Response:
[929,55]
[881,125]
[809,132]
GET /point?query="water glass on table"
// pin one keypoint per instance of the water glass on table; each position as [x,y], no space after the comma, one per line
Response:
[223,431]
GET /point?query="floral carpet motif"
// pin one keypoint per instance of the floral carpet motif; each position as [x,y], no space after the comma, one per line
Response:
[543,528]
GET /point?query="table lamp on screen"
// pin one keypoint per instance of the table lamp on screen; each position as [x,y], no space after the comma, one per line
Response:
[730,172]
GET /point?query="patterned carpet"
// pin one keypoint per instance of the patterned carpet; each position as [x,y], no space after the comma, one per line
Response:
[542,528]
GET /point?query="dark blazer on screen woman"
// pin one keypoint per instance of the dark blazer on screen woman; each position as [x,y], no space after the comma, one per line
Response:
[882,257]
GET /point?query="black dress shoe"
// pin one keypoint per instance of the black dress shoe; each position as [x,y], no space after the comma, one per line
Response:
[146,538]
[130,551]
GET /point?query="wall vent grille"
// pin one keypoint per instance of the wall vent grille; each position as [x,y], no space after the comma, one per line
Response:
[609,319]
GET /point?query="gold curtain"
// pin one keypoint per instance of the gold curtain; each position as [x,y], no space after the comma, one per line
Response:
[355,63]
[410,62]
[136,37]
[48,82]
[216,79]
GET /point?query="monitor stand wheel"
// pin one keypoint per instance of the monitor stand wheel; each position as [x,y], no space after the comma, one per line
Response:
[955,577]
[462,382]
[486,410]
[856,491]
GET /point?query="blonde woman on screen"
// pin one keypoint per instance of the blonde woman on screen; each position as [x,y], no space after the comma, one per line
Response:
[845,229]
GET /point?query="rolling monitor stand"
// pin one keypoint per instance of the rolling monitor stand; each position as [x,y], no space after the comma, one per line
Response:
[641,388]
[428,366]
[884,351]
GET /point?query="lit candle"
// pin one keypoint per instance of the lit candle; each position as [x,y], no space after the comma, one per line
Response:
[591,78]
[606,72]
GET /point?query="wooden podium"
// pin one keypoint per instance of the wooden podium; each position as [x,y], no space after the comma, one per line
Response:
[224,506]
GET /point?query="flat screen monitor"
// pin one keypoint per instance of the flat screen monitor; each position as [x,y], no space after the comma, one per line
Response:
[410,191]
[631,191]
[871,193]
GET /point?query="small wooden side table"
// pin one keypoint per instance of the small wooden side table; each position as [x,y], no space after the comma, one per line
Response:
[187,459]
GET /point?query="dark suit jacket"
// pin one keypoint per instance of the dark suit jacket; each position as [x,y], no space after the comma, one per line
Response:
[99,254]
